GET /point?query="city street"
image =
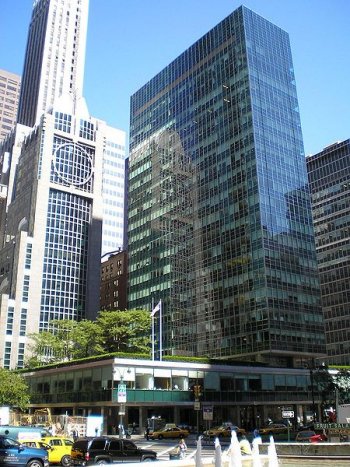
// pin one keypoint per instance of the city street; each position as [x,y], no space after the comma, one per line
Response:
[163,448]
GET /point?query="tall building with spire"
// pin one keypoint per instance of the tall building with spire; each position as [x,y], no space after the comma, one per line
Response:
[57,174]
[219,221]
[55,56]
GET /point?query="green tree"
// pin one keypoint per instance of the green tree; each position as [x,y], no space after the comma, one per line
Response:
[125,331]
[87,339]
[13,390]
[113,331]
[76,339]
[43,348]
[332,387]
[342,383]
[67,340]
[325,386]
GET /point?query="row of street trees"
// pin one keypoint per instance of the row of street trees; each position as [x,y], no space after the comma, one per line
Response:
[113,331]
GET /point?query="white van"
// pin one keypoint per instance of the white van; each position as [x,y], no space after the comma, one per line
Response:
[23,432]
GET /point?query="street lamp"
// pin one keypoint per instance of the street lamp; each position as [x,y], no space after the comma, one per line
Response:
[121,400]
[314,415]
[197,390]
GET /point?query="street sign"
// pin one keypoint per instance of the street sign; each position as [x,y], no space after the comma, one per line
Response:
[207,412]
[287,413]
[197,405]
[329,426]
[122,392]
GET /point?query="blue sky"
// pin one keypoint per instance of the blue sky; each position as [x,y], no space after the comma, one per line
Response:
[129,41]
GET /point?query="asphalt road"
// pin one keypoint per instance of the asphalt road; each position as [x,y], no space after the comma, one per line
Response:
[164,446]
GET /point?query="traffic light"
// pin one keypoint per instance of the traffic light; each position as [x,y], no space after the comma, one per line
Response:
[197,391]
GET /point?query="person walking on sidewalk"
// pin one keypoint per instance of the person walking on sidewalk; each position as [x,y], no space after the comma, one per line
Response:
[183,448]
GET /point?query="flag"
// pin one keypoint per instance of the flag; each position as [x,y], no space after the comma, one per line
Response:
[155,309]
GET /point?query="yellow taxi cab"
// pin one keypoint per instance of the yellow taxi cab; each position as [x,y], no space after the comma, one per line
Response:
[274,428]
[58,448]
[60,451]
[224,431]
[167,433]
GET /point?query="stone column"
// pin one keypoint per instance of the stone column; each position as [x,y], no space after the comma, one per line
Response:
[142,419]
[176,415]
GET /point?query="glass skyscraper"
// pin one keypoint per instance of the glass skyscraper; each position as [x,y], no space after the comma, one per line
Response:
[219,223]
[329,176]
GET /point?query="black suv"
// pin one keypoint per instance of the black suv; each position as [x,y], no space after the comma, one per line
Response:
[106,450]
[14,454]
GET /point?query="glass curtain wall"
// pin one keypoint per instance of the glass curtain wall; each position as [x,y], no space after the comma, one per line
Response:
[220,223]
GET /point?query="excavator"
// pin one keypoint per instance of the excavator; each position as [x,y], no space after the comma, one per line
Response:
[40,417]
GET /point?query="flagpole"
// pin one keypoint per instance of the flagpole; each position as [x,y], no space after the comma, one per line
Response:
[160,330]
[158,307]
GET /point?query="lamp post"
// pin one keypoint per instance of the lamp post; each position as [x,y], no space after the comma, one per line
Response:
[121,401]
[197,405]
[314,415]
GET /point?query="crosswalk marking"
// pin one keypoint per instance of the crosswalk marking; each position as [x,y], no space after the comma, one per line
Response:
[164,455]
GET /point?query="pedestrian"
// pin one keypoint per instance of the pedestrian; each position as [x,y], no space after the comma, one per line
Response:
[183,448]
[257,436]
[244,445]
[147,433]
[121,430]
[75,434]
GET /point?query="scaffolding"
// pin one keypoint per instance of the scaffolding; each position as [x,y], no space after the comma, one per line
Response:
[57,424]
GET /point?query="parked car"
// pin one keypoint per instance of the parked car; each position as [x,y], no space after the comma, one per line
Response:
[224,431]
[186,426]
[107,450]
[36,443]
[58,448]
[309,436]
[274,428]
[12,453]
[174,432]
